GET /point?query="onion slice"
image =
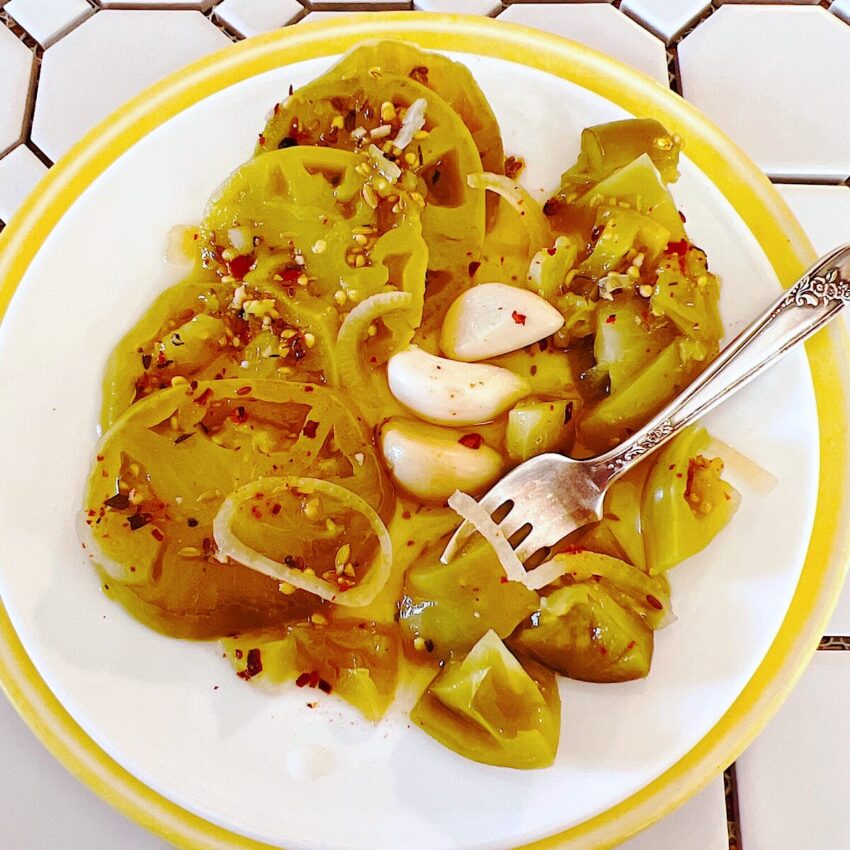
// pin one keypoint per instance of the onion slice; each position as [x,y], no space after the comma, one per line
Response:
[757,477]
[370,584]
[414,121]
[467,508]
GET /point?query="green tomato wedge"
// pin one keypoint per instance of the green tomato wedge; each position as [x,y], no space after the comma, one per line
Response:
[538,427]
[490,708]
[685,501]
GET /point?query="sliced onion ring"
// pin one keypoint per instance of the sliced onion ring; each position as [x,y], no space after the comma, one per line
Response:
[467,508]
[369,586]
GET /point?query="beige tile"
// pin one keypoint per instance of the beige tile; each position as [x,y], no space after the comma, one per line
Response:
[108,59]
[776,79]
[598,25]
[700,823]
[47,20]
[793,788]
[141,4]
[20,170]
[666,18]
[16,62]
[252,17]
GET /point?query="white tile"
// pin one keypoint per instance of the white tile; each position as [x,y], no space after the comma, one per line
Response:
[700,823]
[316,17]
[842,9]
[317,4]
[15,70]
[46,20]
[597,25]
[824,212]
[775,78]
[793,789]
[20,170]
[666,18]
[252,17]
[108,59]
[466,7]
[46,808]
[177,4]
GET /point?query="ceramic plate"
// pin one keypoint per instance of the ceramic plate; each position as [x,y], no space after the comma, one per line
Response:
[164,726]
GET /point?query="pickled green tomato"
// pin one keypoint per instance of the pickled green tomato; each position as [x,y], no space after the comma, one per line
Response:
[491,708]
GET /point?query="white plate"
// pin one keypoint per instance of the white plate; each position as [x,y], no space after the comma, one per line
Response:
[266,766]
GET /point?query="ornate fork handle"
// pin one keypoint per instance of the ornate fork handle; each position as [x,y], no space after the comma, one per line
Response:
[797,314]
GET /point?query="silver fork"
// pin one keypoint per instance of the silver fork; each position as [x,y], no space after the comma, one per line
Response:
[550,496]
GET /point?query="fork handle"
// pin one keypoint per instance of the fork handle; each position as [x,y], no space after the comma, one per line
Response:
[799,312]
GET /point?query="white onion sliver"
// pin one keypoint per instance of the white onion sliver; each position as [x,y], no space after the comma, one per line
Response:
[467,508]
[413,122]
[757,477]
[545,574]
[388,170]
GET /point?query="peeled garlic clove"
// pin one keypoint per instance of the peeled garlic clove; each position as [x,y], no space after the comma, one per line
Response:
[432,462]
[450,393]
[494,318]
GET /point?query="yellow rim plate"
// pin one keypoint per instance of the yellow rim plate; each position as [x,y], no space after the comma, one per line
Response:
[736,177]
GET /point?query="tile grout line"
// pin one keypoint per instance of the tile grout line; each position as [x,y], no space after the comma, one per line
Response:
[733,815]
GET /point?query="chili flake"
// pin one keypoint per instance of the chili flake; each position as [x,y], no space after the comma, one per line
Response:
[310,428]
[471,441]
[120,501]
[253,666]
[519,318]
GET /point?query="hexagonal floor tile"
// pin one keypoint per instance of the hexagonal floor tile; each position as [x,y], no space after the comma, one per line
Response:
[466,7]
[15,70]
[792,781]
[20,170]
[598,25]
[842,9]
[107,60]
[251,17]
[47,20]
[666,18]
[775,79]
[141,4]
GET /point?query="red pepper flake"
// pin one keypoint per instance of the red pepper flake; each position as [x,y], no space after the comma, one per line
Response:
[256,512]
[632,645]
[183,437]
[253,666]
[239,414]
[551,206]
[406,515]
[503,580]
[471,441]
[429,645]
[682,216]
[568,412]
[240,266]
[654,602]
[679,247]
[275,509]
[262,140]
[157,535]
[146,361]
[192,522]
[513,166]
[473,267]
[551,251]
[611,319]
[310,428]
[302,680]
[204,396]
[325,686]
[238,654]
[120,501]
[290,275]
[243,390]
[519,318]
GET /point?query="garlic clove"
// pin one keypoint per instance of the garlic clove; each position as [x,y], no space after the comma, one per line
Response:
[431,462]
[447,392]
[494,318]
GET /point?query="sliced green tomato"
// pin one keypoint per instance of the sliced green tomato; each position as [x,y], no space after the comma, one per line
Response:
[549,266]
[449,79]
[538,427]
[491,709]
[622,230]
[584,633]
[355,659]
[450,606]
[306,532]
[621,519]
[648,390]
[547,371]
[639,184]
[689,300]
[646,596]
[605,148]
[685,502]
[454,215]
[175,456]
[626,339]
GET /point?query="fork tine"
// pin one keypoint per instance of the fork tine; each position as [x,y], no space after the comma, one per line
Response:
[539,538]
